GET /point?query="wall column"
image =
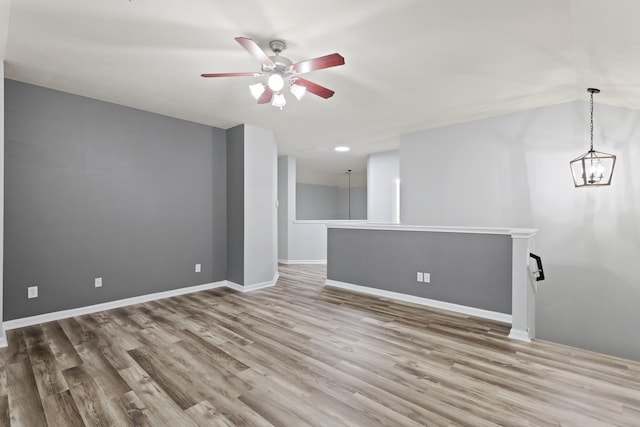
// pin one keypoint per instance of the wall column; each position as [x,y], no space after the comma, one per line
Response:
[5,8]
[252,223]
[522,293]
[3,337]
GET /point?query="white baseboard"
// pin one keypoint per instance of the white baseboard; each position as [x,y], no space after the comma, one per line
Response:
[64,314]
[471,311]
[253,287]
[519,335]
[233,285]
[302,261]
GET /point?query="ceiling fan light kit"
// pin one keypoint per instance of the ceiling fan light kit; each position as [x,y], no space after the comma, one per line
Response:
[594,168]
[281,72]
[298,91]
[279,101]
[257,90]
[275,82]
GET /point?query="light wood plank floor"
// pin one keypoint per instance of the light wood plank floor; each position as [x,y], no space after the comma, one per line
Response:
[301,354]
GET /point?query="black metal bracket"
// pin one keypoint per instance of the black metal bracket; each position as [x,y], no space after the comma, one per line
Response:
[540,271]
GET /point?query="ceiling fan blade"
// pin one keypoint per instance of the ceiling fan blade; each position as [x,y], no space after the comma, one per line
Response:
[255,51]
[326,61]
[266,96]
[230,74]
[315,88]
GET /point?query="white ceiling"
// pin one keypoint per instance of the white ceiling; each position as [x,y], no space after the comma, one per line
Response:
[410,64]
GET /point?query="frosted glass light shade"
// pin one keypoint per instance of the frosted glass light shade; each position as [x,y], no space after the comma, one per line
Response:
[275,82]
[298,91]
[257,90]
[278,100]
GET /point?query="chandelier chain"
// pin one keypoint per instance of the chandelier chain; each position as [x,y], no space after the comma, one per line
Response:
[591,149]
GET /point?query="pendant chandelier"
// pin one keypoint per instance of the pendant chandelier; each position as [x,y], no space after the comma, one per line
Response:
[593,168]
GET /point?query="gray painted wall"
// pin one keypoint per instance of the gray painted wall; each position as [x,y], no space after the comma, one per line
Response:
[328,202]
[260,214]
[316,202]
[235,204]
[358,203]
[306,242]
[513,170]
[2,173]
[467,269]
[283,208]
[99,190]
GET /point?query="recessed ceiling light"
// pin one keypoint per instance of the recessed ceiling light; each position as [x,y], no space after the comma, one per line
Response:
[342,148]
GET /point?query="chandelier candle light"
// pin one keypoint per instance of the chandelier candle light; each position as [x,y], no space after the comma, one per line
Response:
[593,168]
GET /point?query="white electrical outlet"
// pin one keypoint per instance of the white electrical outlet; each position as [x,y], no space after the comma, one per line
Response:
[98,282]
[419,278]
[426,278]
[32,292]
[198,268]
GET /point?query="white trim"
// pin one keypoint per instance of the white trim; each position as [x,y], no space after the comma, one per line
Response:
[514,232]
[233,285]
[330,221]
[3,335]
[302,261]
[63,314]
[519,335]
[267,284]
[523,298]
[472,311]
[523,233]
[254,287]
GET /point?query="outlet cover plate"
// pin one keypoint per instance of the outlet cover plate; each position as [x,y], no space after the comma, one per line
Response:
[98,282]
[198,268]
[32,292]
[419,277]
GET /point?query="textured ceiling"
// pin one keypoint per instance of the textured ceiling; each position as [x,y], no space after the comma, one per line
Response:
[410,64]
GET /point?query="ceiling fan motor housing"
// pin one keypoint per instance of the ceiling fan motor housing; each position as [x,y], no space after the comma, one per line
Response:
[281,64]
[277,46]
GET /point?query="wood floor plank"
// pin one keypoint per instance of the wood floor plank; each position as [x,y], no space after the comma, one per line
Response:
[60,410]
[162,409]
[25,405]
[92,405]
[98,367]
[5,419]
[136,410]
[3,382]
[95,398]
[64,352]
[302,354]
[276,410]
[167,377]
[204,414]
[49,378]
[77,330]
[213,354]
[37,345]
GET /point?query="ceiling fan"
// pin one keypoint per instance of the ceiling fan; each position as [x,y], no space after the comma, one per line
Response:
[281,72]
